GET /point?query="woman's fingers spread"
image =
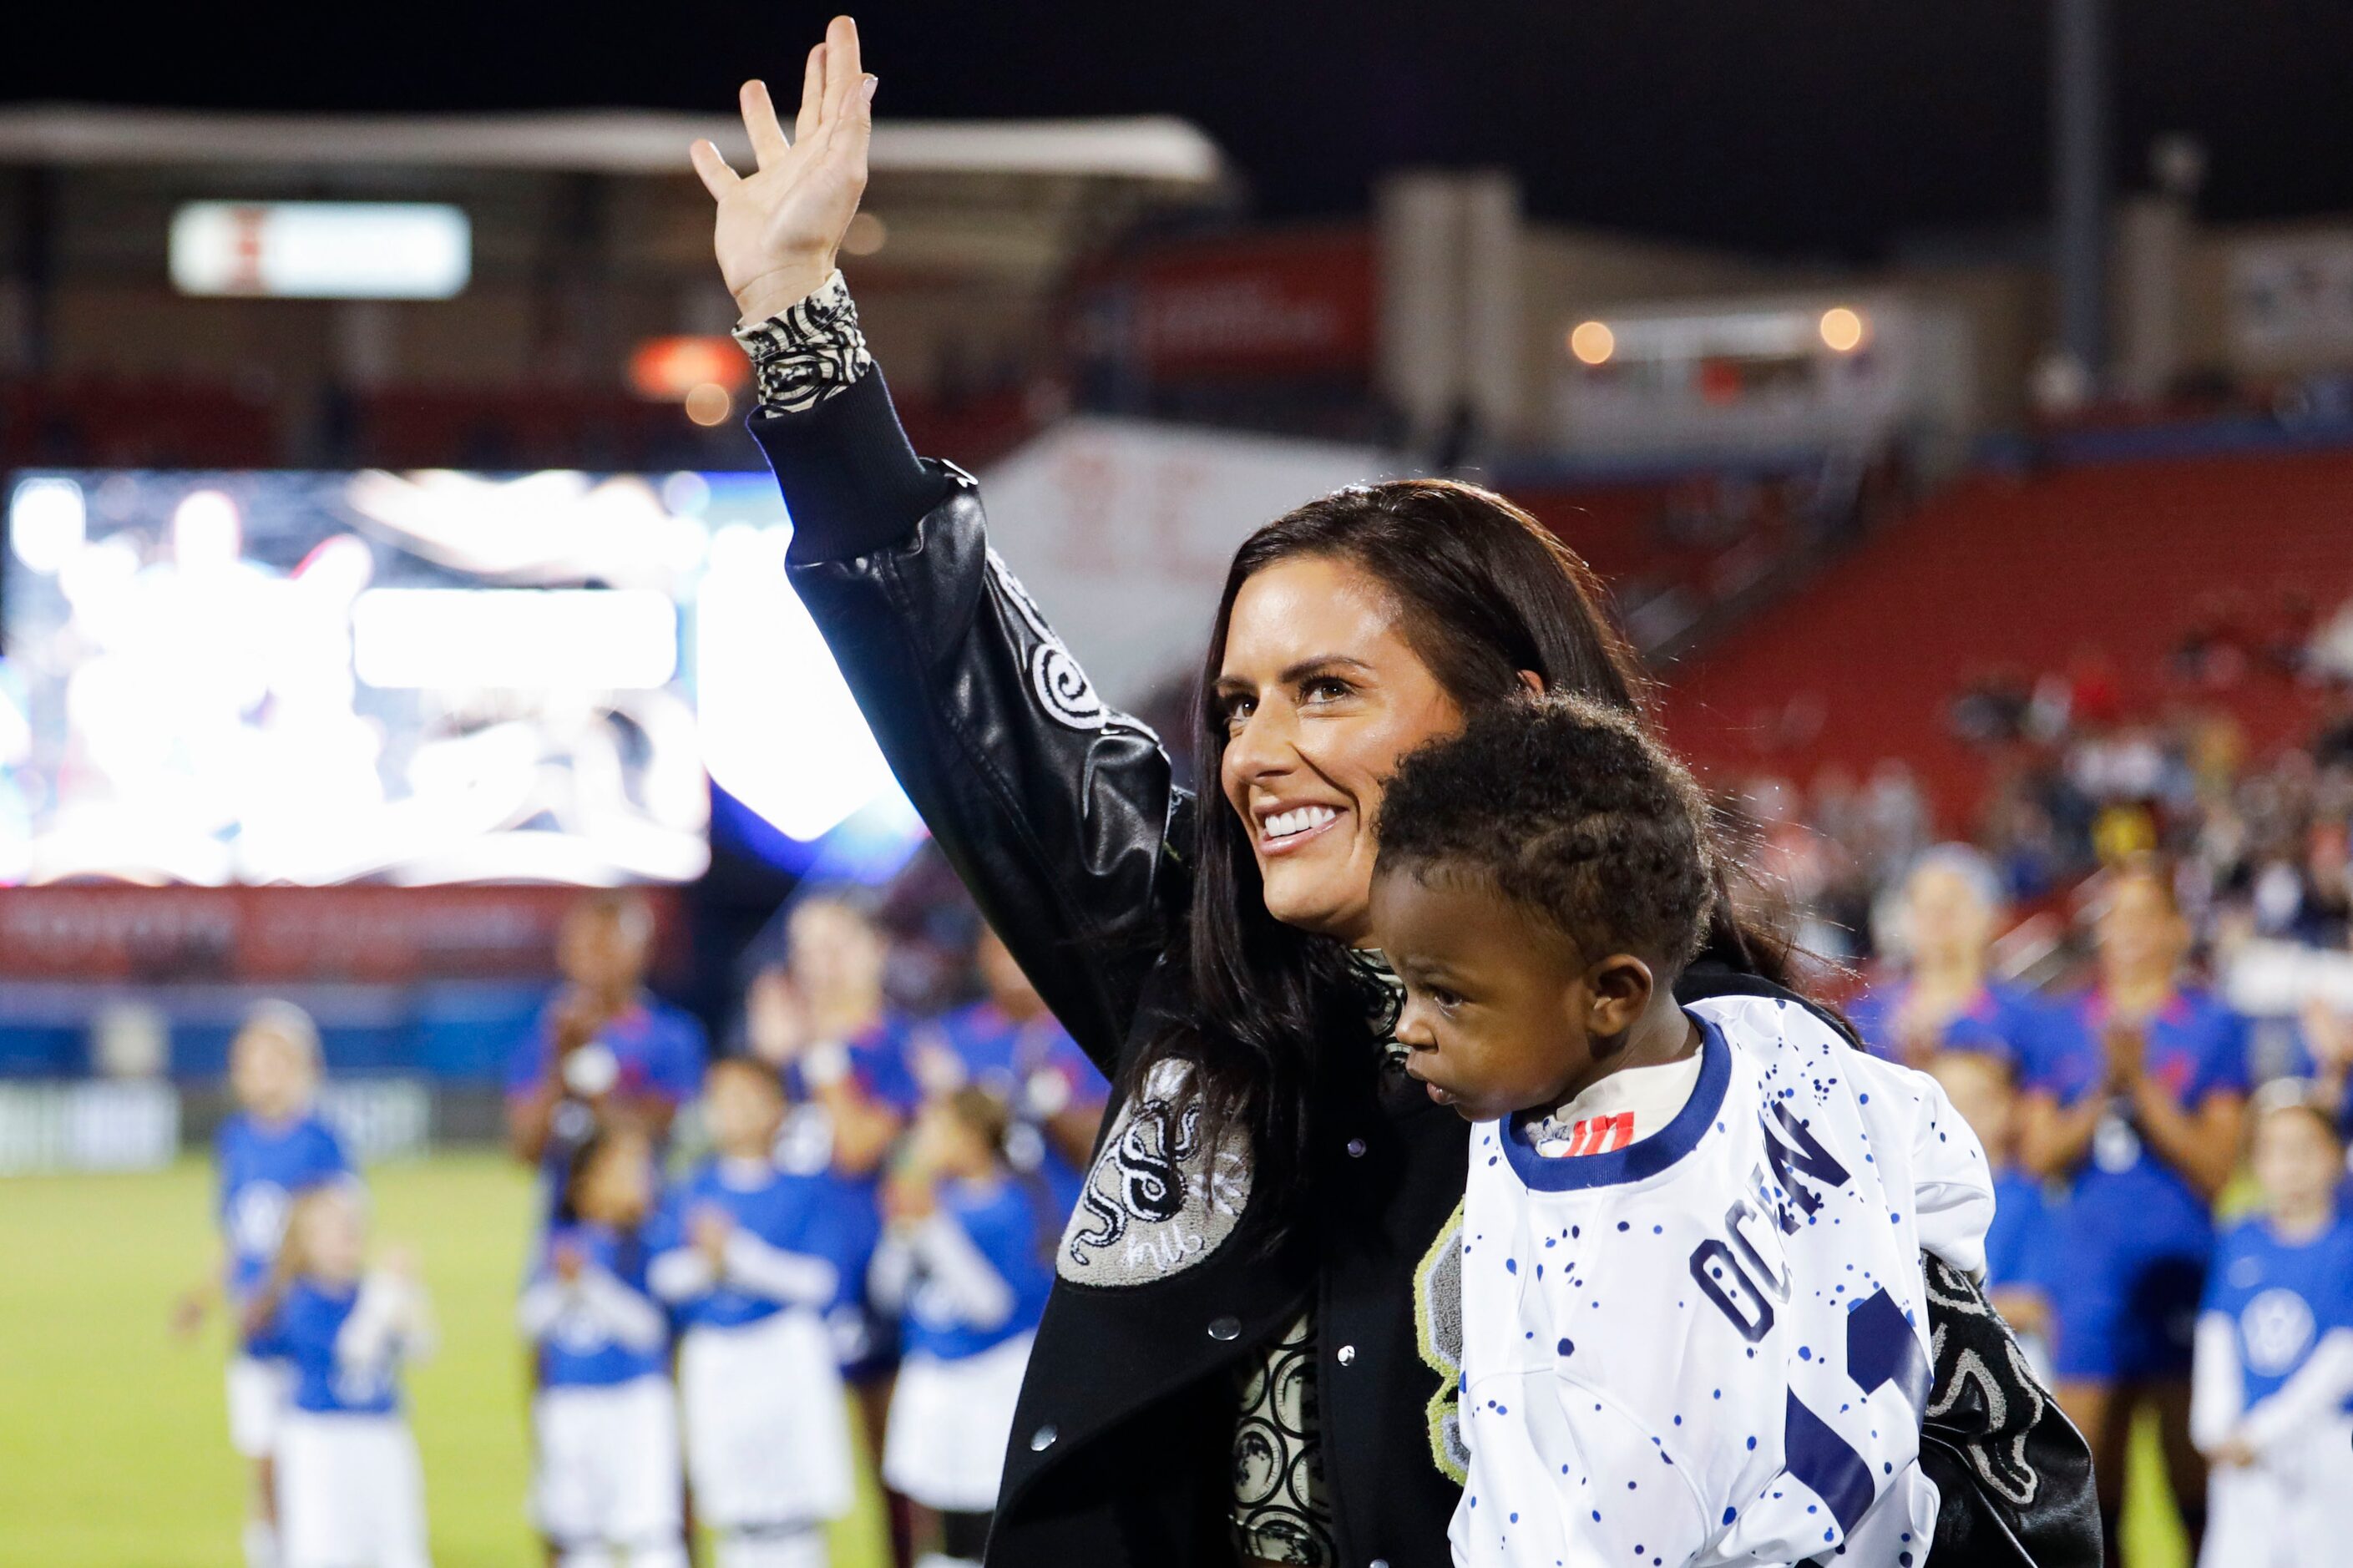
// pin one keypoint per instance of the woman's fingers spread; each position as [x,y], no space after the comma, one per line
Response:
[717,177]
[760,119]
[812,112]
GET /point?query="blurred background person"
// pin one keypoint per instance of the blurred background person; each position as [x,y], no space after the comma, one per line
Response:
[351,1493]
[2324,1042]
[1007,1044]
[606,1046]
[271,1151]
[2274,1364]
[756,1257]
[2135,1101]
[2021,1257]
[822,1019]
[1943,996]
[608,1481]
[968,1259]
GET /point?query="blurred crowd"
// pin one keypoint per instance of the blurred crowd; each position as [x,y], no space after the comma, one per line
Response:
[824,1240]
[825,1244]
[2135,983]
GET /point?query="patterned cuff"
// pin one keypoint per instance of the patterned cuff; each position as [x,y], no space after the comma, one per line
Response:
[805,354]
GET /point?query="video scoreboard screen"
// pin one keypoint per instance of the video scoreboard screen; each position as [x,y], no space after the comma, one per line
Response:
[310,679]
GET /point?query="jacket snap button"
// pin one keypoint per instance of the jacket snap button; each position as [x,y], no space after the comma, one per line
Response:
[1347,1355]
[1378,1562]
[1225,1328]
[1356,1148]
[1043,1439]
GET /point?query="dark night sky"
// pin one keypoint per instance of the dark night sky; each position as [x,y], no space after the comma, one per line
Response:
[1803,126]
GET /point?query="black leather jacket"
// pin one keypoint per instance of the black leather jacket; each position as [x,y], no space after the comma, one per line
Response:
[1063,818]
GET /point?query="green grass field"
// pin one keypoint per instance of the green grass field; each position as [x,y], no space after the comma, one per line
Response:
[114,1441]
[114,1436]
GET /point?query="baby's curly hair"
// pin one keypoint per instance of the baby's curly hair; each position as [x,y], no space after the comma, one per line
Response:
[1570,809]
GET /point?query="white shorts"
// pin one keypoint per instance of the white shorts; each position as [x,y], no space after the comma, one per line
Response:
[350,1494]
[768,1425]
[608,1469]
[2294,1513]
[258,1393]
[950,1421]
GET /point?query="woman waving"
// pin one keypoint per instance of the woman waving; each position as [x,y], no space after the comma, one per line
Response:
[1249,1351]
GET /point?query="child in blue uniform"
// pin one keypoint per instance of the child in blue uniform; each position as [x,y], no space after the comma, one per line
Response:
[822,1020]
[967,1253]
[272,1150]
[2136,1096]
[1010,1045]
[2019,1259]
[605,1418]
[605,1047]
[2274,1367]
[350,1493]
[755,1258]
[1946,1001]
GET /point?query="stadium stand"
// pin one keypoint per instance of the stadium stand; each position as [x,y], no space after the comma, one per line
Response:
[2115,564]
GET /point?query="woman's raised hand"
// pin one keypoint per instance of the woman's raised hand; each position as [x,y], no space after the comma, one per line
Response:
[778,227]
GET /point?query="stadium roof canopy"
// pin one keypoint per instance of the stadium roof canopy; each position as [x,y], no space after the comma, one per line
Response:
[1157,150]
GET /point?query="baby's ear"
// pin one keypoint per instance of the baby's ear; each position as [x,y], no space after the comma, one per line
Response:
[1620,988]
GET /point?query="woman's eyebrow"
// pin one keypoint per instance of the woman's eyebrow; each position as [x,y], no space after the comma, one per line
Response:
[1319,663]
[1296,672]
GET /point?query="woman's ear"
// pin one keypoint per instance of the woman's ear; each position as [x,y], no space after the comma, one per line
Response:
[1533,681]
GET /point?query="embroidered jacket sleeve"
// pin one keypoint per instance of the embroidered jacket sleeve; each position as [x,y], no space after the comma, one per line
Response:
[1056,809]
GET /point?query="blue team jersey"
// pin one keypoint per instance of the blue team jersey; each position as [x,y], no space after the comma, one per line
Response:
[1038,1069]
[308,1320]
[263,1168]
[2018,1242]
[2124,1202]
[2282,1297]
[659,1049]
[2001,1021]
[1005,1225]
[877,1065]
[816,1214]
[579,1351]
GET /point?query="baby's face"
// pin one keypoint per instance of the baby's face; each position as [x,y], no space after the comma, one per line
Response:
[1494,1000]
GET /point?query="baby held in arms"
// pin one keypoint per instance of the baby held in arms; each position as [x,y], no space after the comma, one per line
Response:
[1694,1320]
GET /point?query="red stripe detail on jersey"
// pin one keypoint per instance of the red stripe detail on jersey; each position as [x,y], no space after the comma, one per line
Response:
[1601,1134]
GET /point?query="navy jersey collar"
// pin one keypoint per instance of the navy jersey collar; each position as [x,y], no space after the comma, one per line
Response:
[1637,1160]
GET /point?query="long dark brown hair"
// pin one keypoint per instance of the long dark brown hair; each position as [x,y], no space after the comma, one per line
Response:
[1484,592]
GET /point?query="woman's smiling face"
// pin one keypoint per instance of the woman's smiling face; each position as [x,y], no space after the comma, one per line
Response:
[1319,695]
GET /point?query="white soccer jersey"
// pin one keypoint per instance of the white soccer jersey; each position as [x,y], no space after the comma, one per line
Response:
[1711,1346]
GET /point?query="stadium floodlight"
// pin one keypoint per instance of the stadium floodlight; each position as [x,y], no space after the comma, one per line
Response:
[1843,329]
[322,250]
[664,369]
[1592,342]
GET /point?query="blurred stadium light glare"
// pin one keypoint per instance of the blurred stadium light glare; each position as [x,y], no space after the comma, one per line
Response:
[708,404]
[1592,342]
[664,369]
[1843,329]
[322,250]
[866,235]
